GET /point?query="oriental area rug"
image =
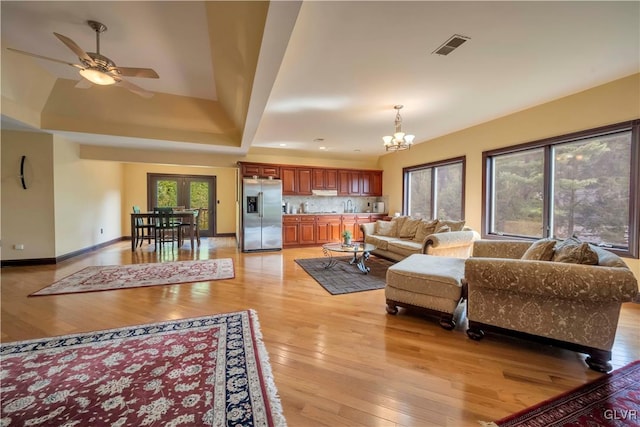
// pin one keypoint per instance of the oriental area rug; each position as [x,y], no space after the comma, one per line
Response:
[611,400]
[344,278]
[205,371]
[102,278]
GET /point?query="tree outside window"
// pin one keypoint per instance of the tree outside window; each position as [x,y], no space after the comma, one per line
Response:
[435,190]
[575,185]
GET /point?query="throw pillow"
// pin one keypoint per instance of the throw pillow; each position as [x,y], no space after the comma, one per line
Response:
[408,230]
[580,254]
[386,228]
[443,228]
[541,250]
[564,246]
[425,229]
[453,225]
[399,220]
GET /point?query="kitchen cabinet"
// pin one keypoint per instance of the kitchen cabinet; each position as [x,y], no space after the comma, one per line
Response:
[301,180]
[307,230]
[303,176]
[288,177]
[328,229]
[324,179]
[359,183]
[349,223]
[248,170]
[376,183]
[371,183]
[352,223]
[290,230]
[295,181]
[348,183]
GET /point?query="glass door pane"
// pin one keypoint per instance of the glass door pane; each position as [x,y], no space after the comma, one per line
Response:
[190,191]
[199,198]
[166,193]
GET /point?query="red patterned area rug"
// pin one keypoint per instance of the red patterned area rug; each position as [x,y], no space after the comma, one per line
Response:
[103,278]
[206,371]
[611,400]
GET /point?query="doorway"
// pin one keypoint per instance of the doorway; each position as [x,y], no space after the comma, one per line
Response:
[190,191]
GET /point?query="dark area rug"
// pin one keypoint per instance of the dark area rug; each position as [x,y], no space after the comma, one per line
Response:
[611,400]
[344,278]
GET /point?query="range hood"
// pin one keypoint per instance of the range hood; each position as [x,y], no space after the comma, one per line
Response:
[324,192]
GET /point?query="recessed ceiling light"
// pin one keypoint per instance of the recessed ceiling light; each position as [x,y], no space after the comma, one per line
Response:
[283,145]
[323,148]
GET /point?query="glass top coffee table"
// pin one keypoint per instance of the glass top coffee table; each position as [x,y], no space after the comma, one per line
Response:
[362,249]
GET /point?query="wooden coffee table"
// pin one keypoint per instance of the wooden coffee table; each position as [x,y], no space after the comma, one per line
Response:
[356,248]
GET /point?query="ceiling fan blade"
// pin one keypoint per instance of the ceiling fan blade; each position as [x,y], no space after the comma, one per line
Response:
[75,48]
[135,88]
[138,72]
[45,57]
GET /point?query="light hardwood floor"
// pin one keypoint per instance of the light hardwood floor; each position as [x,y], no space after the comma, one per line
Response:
[337,360]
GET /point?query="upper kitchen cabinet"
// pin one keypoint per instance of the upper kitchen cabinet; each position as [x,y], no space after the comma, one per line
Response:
[248,170]
[359,183]
[295,181]
[371,183]
[302,180]
[348,183]
[324,179]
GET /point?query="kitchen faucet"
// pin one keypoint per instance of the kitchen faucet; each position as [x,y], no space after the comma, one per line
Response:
[349,206]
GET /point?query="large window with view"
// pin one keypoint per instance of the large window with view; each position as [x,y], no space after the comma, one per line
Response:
[583,184]
[435,190]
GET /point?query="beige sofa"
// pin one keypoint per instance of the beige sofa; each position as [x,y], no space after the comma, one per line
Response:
[574,304]
[404,236]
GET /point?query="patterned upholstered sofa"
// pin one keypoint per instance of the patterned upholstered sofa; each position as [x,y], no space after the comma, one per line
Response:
[572,305]
[404,236]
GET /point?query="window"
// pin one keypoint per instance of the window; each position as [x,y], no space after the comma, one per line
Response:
[583,184]
[435,190]
[190,191]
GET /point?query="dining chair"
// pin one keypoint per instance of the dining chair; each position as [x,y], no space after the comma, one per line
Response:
[167,229]
[143,229]
[186,226]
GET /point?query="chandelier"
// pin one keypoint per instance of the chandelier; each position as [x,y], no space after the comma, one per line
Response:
[399,141]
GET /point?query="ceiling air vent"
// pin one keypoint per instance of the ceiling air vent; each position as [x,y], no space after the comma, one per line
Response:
[450,45]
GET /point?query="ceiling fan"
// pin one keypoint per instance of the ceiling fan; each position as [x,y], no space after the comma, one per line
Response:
[98,69]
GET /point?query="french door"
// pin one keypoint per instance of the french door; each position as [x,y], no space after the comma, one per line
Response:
[190,191]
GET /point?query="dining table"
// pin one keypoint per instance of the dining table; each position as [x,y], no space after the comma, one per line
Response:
[187,216]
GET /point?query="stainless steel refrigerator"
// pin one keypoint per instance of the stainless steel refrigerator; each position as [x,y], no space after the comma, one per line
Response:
[261,214]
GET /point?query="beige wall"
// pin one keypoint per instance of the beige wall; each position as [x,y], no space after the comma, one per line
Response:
[87,198]
[27,215]
[25,88]
[135,191]
[614,102]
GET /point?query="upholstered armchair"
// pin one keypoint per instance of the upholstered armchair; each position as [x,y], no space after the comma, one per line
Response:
[575,306]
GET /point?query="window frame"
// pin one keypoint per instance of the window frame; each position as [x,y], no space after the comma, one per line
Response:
[547,145]
[433,165]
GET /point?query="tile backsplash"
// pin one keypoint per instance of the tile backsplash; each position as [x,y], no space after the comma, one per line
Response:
[337,204]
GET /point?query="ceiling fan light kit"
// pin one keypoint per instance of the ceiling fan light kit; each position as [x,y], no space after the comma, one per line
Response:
[97,77]
[99,69]
[400,140]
